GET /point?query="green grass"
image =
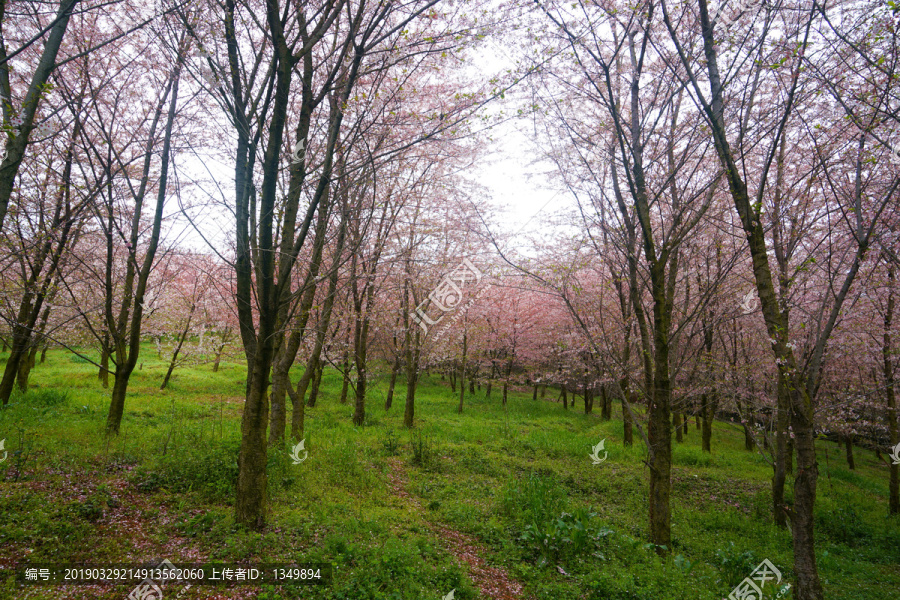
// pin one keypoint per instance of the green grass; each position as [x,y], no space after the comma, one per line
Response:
[517,480]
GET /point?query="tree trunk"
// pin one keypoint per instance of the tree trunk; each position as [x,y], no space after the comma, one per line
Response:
[181,338]
[345,384]
[487,390]
[316,382]
[395,369]
[117,401]
[804,500]
[848,445]
[707,409]
[676,422]
[565,398]
[250,507]
[588,400]
[782,422]
[605,404]
[359,409]
[462,373]
[627,427]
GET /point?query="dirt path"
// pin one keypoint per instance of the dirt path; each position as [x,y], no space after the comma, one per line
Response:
[494,583]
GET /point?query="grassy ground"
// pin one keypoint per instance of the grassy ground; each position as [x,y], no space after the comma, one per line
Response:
[384,505]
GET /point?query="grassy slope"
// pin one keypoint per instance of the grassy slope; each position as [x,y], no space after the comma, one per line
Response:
[518,481]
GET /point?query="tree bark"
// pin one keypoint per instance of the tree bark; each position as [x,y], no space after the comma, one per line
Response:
[462,372]
[848,445]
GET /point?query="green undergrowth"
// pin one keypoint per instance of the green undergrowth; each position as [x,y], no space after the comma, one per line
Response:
[517,480]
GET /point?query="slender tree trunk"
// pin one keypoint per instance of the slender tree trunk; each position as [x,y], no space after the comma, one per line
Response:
[706,431]
[181,338]
[848,445]
[565,398]
[487,390]
[676,422]
[395,370]
[588,400]
[605,404]
[462,372]
[359,410]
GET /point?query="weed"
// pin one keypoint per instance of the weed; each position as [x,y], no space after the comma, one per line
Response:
[422,450]
[735,565]
[391,443]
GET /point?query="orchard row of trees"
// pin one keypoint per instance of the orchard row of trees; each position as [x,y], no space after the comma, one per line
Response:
[732,250]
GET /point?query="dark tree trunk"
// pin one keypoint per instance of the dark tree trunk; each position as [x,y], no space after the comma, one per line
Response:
[627,427]
[848,445]
[588,401]
[676,422]
[605,404]
[487,390]
[314,386]
[708,405]
[117,401]
[462,373]
[565,398]
[395,370]
[346,384]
